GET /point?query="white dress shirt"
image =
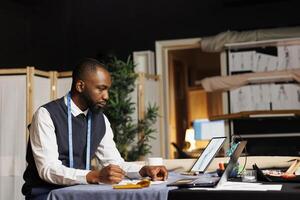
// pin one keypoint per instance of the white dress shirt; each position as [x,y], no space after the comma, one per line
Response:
[45,150]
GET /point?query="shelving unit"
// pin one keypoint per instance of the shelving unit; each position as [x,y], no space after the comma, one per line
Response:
[271,128]
[263,44]
[257,114]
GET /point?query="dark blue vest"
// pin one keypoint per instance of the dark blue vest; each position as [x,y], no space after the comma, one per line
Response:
[58,113]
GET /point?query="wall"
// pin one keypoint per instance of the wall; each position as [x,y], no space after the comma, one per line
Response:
[54,34]
[200,64]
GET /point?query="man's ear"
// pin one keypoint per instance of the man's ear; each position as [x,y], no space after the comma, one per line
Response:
[80,86]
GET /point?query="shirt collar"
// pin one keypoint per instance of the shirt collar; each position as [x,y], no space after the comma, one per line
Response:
[74,108]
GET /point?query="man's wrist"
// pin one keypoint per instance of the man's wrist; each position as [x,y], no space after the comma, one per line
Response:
[143,172]
[93,177]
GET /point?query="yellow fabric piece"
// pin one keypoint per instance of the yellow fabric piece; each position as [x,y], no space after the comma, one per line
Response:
[141,184]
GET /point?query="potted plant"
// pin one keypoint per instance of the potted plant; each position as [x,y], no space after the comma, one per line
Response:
[132,138]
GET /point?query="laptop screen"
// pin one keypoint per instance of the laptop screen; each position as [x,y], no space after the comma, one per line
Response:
[208,154]
[232,162]
[212,181]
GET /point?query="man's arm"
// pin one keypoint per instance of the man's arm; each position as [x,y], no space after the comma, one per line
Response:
[107,153]
[45,153]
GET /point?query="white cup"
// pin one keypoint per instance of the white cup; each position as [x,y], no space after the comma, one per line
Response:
[155,161]
[249,176]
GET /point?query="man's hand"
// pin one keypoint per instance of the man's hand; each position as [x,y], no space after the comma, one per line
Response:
[110,174]
[156,173]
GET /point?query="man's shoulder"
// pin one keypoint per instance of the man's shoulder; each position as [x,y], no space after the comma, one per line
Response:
[54,103]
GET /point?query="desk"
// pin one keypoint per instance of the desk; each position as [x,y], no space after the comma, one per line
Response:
[105,192]
[289,191]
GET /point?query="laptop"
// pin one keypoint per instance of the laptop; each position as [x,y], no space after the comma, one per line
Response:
[209,153]
[212,181]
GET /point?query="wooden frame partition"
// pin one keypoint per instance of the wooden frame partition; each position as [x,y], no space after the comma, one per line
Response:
[22,90]
[30,72]
[144,95]
[57,78]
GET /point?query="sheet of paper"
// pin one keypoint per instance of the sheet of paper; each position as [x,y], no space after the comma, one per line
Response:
[135,181]
[248,186]
[243,186]
[157,182]
[126,181]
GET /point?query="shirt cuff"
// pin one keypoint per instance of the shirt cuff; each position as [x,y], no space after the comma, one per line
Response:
[132,170]
[81,176]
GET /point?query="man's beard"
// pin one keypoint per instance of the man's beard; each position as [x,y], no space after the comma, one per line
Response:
[93,107]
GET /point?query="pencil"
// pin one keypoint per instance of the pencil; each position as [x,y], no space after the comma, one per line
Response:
[128,177]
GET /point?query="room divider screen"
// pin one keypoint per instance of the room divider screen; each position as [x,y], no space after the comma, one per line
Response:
[22,91]
[12,132]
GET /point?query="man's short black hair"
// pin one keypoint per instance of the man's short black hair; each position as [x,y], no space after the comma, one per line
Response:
[84,67]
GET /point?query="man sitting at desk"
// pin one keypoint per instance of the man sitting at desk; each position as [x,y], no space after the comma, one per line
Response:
[66,133]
